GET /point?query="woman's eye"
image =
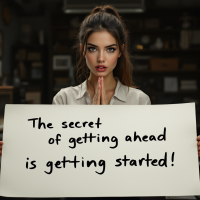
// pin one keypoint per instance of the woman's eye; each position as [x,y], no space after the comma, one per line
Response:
[112,49]
[91,48]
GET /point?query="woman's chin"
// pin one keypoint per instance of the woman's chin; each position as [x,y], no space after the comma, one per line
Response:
[100,74]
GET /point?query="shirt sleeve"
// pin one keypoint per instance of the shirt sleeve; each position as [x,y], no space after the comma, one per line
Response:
[145,100]
[148,101]
[57,100]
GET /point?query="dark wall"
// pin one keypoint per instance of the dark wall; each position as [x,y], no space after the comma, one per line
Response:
[10,36]
[20,15]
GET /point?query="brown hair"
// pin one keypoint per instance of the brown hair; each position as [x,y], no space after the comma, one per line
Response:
[105,18]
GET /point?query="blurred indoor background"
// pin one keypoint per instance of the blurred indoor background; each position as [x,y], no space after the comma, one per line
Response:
[37,60]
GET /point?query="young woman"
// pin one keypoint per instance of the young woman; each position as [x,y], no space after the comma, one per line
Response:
[104,61]
[103,56]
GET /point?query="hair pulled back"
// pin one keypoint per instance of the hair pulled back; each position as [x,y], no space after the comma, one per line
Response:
[105,18]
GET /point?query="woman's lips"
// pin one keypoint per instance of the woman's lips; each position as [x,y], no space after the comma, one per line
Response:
[100,69]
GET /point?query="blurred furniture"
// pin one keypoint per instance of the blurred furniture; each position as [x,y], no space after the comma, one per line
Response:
[64,28]
[6,97]
[175,57]
[6,91]
[29,67]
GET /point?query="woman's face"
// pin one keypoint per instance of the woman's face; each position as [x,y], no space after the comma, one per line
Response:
[102,49]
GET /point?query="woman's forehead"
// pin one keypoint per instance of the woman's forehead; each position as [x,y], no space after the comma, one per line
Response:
[101,38]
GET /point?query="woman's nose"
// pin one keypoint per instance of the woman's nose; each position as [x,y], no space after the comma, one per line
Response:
[101,56]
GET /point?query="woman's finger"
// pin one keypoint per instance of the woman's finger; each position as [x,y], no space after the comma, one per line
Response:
[103,93]
[99,92]
[102,90]
[198,138]
[99,97]
[94,102]
[95,99]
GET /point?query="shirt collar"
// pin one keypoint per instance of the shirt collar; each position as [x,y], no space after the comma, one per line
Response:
[120,90]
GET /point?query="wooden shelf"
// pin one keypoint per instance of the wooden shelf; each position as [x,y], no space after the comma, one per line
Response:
[64,27]
[169,31]
[6,87]
[159,31]
[189,92]
[167,8]
[29,46]
[164,72]
[149,51]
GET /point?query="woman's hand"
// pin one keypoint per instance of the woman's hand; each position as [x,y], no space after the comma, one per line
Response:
[103,93]
[100,93]
[1,144]
[198,145]
[96,99]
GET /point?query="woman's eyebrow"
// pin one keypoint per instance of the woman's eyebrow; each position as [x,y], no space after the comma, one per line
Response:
[106,46]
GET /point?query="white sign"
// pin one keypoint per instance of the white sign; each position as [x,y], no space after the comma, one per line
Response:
[99,151]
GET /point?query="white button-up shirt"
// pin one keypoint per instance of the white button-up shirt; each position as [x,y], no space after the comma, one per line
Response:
[77,95]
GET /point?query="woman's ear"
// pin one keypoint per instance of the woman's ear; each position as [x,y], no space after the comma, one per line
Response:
[122,50]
